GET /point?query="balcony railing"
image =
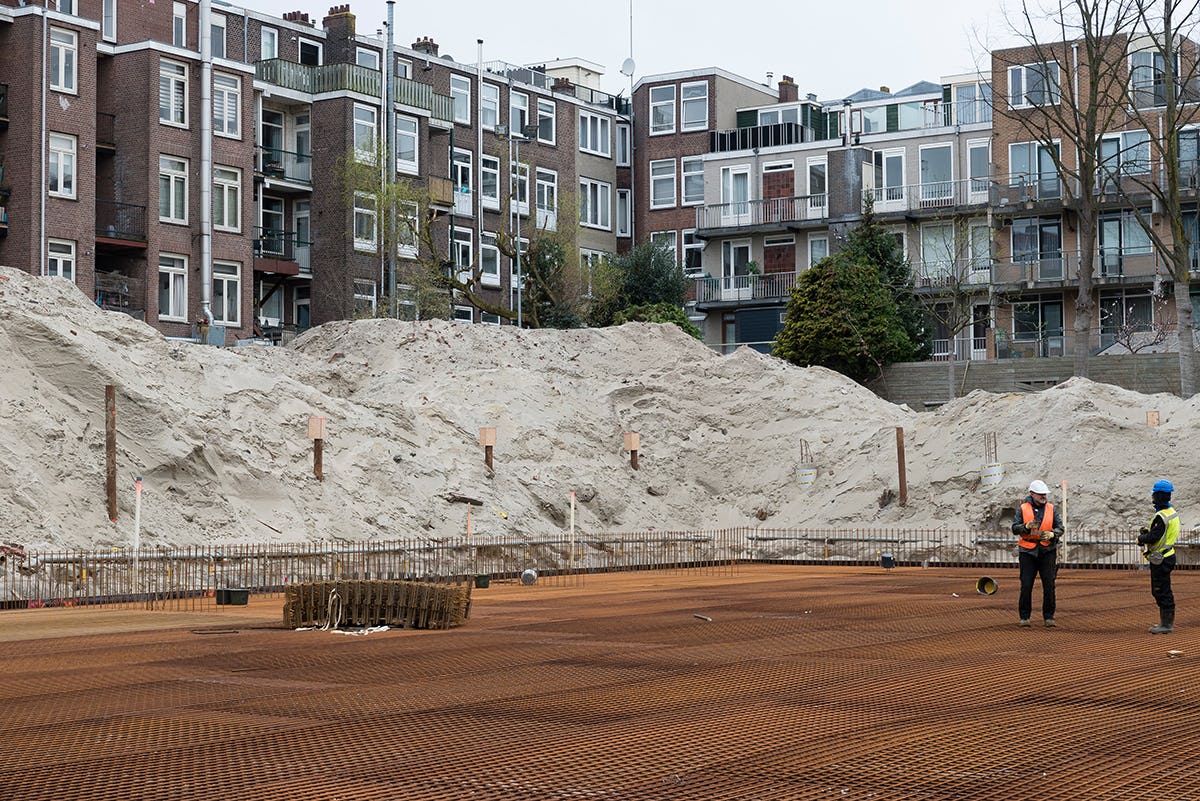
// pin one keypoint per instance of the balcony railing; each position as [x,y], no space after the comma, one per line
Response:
[1135,265]
[783,133]
[314,79]
[1025,188]
[421,95]
[965,348]
[274,243]
[728,288]
[966,112]
[766,213]
[930,195]
[275,163]
[952,274]
[121,221]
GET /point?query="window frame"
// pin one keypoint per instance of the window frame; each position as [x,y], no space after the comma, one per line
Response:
[489,166]
[685,101]
[595,139]
[364,155]
[1039,69]
[369,54]
[408,247]
[413,166]
[489,101]
[175,75]
[63,260]
[624,144]
[367,291]
[231,193]
[595,203]
[366,212]
[624,213]
[489,251]
[231,98]
[217,21]
[657,181]
[685,174]
[543,115]
[691,244]
[179,24]
[63,165]
[64,61]
[266,33]
[521,108]
[460,90]
[664,128]
[219,267]
[176,196]
[177,288]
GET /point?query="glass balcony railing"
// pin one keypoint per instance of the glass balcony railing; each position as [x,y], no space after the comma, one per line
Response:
[286,165]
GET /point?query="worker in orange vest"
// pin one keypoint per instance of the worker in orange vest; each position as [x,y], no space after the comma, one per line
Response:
[1038,527]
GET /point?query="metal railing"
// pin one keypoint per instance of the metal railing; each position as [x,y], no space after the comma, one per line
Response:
[964,112]
[745,287]
[275,243]
[965,348]
[773,212]
[314,79]
[1019,189]
[1138,265]
[276,163]
[123,221]
[955,273]
[930,195]
[776,135]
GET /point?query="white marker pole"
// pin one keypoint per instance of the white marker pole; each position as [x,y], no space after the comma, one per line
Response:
[572,562]
[137,527]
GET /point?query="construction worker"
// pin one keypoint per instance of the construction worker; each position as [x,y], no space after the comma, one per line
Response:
[1158,543]
[1038,527]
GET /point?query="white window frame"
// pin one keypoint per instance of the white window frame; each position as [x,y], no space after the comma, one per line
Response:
[692,243]
[1137,91]
[366,296]
[365,216]
[661,105]
[813,240]
[217,33]
[489,106]
[64,61]
[460,92]
[547,110]
[624,144]
[364,152]
[227,286]
[63,166]
[691,168]
[546,198]
[488,318]
[595,134]
[977,186]
[108,20]
[662,177]
[463,314]
[685,102]
[489,166]
[268,43]
[408,243]
[518,112]
[227,105]
[489,254]
[173,78]
[462,173]
[367,57]
[670,238]
[519,186]
[624,212]
[404,70]
[177,289]
[313,43]
[173,172]
[60,258]
[179,24]
[462,243]
[1020,75]
[595,204]
[410,166]
[227,198]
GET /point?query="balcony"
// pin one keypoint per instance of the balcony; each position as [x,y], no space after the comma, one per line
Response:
[947,115]
[318,79]
[951,275]
[441,191]
[748,215]
[106,137]
[281,252]
[1023,191]
[116,291]
[930,196]
[421,95]
[284,165]
[120,225]
[3,106]
[734,289]
[1130,266]
[759,136]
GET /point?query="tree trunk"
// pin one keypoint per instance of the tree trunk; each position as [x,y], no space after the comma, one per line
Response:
[950,371]
[1187,348]
[1084,304]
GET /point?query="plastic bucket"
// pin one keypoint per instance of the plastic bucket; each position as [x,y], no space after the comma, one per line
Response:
[806,476]
[483,581]
[986,586]
[990,476]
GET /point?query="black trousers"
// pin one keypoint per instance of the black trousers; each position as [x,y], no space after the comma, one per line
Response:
[1036,562]
[1160,584]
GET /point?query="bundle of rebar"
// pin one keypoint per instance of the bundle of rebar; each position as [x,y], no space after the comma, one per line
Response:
[361,604]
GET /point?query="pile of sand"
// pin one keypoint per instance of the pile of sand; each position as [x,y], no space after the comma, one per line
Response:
[219,435]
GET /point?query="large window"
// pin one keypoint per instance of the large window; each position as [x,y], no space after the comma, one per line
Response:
[409,234]
[594,134]
[172,93]
[365,298]
[227,104]
[693,181]
[489,105]
[311,53]
[1121,237]
[693,100]
[364,133]
[1126,153]
[1148,79]
[662,184]
[662,110]
[61,258]
[460,92]
[1033,85]
[547,115]
[547,199]
[172,190]
[1038,240]
[407,155]
[460,172]
[1123,314]
[172,288]
[979,156]
[108,25]
[1032,165]
[1040,321]
[227,199]
[227,293]
[937,175]
[62,165]
[366,57]
[365,230]
[889,175]
[64,60]
[595,204]
[668,241]
[519,178]
[693,254]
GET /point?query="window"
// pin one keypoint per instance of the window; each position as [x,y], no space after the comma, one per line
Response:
[1040,321]
[109,22]
[61,258]
[589,260]
[227,293]
[624,213]
[693,102]
[460,172]
[409,235]
[311,53]
[1033,85]
[979,156]
[365,231]
[366,57]
[818,184]
[1189,159]
[227,199]
[268,43]
[364,134]
[595,203]
[216,34]
[460,92]
[487,318]
[1148,79]
[662,184]
[937,175]
[735,255]
[624,146]
[463,314]
[227,104]
[519,177]
[735,191]
[693,181]
[546,121]
[62,165]
[980,249]
[1121,235]
[179,25]
[1039,241]
[1032,165]
[818,248]
[518,112]
[66,6]
[489,261]
[272,238]
[64,67]
[406,144]
[1122,154]
[462,251]
[594,135]
[489,102]
[172,93]
[172,189]
[868,120]
[489,182]
[365,298]
[937,252]
[172,288]
[972,103]
[889,175]
[693,254]
[1124,312]
[668,241]
[547,199]
[662,110]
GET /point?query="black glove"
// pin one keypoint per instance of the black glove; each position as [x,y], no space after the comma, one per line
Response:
[1144,536]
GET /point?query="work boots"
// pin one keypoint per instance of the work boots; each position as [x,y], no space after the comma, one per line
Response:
[1166,622]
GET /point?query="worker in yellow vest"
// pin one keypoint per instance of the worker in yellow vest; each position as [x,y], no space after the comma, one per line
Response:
[1038,527]
[1158,542]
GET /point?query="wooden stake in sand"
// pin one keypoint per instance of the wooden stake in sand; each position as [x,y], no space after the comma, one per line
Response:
[487,438]
[900,465]
[633,442]
[316,432]
[110,449]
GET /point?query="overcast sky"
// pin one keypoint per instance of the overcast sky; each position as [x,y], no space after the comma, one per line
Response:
[830,47]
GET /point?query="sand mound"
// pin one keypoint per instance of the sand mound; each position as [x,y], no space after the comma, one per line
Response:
[220,435]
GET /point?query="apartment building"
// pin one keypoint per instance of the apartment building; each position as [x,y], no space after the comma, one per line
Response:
[227,194]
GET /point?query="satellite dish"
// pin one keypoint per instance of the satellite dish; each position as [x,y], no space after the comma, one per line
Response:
[627,67]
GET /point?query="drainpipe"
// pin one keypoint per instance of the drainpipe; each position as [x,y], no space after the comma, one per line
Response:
[45,143]
[479,155]
[389,168]
[206,159]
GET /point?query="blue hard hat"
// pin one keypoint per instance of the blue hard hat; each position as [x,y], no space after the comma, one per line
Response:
[1162,485]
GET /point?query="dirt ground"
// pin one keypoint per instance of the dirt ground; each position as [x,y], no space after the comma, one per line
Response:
[761,682]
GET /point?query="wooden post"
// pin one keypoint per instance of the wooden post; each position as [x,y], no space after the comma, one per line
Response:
[487,438]
[1152,418]
[900,464]
[110,449]
[633,441]
[316,432]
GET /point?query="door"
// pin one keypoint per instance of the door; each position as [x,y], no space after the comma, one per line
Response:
[303,220]
[937,176]
[735,196]
[735,277]
[302,147]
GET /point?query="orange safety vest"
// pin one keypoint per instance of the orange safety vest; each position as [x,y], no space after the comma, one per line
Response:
[1031,540]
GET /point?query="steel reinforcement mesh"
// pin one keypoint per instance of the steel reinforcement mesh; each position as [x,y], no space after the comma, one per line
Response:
[777,682]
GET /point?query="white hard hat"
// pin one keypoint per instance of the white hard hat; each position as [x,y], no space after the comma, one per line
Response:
[1039,487]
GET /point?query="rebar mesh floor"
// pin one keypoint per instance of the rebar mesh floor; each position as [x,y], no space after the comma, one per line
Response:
[807,683]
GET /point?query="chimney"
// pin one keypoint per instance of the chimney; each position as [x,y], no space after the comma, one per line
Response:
[426,45]
[339,21]
[300,17]
[788,91]
[564,86]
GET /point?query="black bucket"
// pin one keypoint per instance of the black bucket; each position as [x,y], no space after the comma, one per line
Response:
[483,581]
